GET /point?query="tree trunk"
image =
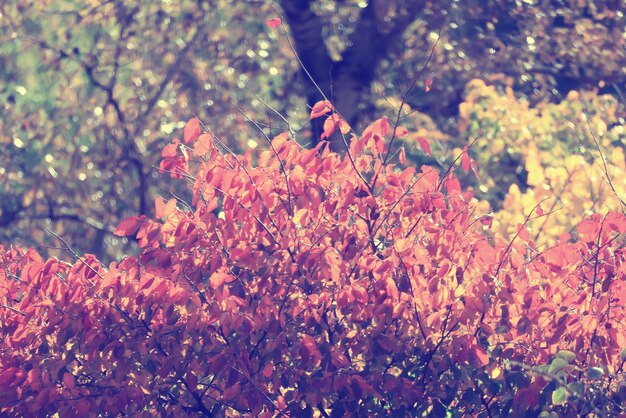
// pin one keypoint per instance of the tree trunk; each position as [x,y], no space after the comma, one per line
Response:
[345,82]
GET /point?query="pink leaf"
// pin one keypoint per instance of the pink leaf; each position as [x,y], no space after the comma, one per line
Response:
[423,144]
[402,156]
[427,84]
[465,160]
[274,23]
[192,130]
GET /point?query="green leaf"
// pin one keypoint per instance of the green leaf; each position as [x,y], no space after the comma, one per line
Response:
[622,355]
[595,372]
[557,365]
[566,355]
[559,396]
[577,388]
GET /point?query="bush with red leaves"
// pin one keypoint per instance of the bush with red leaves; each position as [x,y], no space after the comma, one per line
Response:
[301,282]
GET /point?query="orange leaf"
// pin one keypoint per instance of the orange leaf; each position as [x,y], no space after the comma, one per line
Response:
[381,127]
[343,126]
[219,278]
[392,289]
[400,131]
[321,108]
[192,130]
[203,145]
[163,209]
[329,127]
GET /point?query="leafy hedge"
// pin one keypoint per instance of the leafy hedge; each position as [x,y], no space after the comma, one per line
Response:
[302,282]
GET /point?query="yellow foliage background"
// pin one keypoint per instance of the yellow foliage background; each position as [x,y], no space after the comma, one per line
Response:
[568,157]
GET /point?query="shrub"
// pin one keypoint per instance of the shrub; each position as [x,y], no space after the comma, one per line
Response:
[569,155]
[303,282]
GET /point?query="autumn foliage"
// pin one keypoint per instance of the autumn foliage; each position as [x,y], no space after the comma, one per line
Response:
[301,282]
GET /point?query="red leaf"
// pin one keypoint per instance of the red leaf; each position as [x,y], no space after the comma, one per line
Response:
[68,380]
[482,357]
[465,160]
[171,149]
[424,144]
[192,380]
[522,233]
[321,108]
[192,130]
[428,83]
[203,145]
[402,156]
[616,222]
[7,376]
[279,140]
[453,184]
[539,210]
[129,226]
[268,370]
[274,23]
[590,226]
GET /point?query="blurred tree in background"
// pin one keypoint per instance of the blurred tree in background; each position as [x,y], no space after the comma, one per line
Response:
[92,90]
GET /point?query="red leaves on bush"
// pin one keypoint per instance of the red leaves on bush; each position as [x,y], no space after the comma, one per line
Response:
[331,124]
[273,23]
[321,108]
[129,226]
[163,209]
[293,283]
[424,145]
[192,130]
[203,145]
[175,159]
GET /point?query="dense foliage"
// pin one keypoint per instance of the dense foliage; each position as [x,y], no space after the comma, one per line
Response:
[91,90]
[569,156]
[303,282]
